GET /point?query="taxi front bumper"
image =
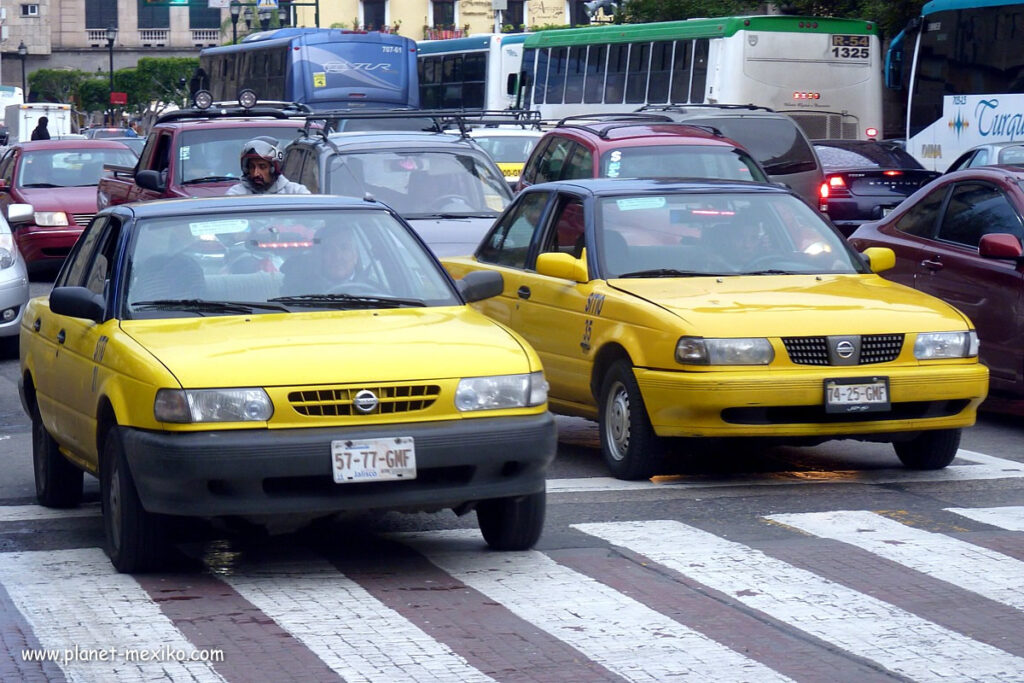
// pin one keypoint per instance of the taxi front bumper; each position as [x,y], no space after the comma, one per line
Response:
[255,472]
[792,403]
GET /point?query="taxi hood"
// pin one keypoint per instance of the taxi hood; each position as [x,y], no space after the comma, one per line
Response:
[788,305]
[326,347]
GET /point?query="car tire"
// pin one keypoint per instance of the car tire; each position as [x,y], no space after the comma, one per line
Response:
[58,482]
[931,450]
[629,445]
[135,538]
[512,523]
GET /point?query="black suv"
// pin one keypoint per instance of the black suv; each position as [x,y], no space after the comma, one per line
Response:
[444,184]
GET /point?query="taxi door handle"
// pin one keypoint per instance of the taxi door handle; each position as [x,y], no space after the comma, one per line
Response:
[523,292]
[932,264]
[60,337]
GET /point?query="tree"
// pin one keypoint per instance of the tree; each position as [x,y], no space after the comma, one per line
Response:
[55,85]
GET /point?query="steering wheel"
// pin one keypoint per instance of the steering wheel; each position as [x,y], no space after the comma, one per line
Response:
[355,288]
[442,203]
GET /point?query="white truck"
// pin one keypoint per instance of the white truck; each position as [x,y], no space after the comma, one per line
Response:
[22,118]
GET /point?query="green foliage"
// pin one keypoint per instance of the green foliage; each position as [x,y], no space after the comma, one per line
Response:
[55,85]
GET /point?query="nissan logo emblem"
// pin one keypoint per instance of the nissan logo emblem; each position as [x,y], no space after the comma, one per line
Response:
[365,401]
[845,349]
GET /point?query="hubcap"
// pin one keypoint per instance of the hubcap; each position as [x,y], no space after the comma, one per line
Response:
[616,422]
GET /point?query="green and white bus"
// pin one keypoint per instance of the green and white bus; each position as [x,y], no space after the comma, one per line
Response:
[479,72]
[826,73]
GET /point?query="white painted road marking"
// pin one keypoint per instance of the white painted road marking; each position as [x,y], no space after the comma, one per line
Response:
[894,638]
[968,566]
[75,599]
[1010,517]
[610,628]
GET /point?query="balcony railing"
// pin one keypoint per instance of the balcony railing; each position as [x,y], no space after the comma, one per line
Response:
[149,36]
[205,35]
[96,35]
[443,33]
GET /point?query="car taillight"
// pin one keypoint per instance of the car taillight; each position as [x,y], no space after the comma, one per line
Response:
[834,186]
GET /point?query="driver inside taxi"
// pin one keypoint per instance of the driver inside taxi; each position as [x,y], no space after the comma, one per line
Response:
[334,261]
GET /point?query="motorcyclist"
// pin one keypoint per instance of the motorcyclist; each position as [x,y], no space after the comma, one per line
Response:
[261,170]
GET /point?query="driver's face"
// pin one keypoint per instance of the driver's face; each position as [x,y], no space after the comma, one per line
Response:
[259,172]
[339,255]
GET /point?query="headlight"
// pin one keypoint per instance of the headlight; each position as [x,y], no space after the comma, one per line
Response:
[51,218]
[6,256]
[934,345]
[212,405]
[748,351]
[501,391]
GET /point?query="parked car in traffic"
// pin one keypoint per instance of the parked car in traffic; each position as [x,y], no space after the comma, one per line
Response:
[509,146]
[101,132]
[775,139]
[444,184]
[58,179]
[960,238]
[710,309]
[14,290]
[865,180]
[992,153]
[269,356]
[635,146]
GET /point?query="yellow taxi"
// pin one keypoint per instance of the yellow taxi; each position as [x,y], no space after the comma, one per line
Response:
[277,356]
[717,309]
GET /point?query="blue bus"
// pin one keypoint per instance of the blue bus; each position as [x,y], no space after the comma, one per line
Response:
[962,65]
[479,72]
[321,68]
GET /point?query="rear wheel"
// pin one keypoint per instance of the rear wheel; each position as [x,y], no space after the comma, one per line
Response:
[512,523]
[630,447]
[135,538]
[930,450]
[58,482]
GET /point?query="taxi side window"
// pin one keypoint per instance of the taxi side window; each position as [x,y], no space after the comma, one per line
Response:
[567,234]
[79,261]
[510,240]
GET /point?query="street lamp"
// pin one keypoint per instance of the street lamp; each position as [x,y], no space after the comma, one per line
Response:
[236,9]
[282,15]
[111,37]
[248,18]
[264,14]
[22,53]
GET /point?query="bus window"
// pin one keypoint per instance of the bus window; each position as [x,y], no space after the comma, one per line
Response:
[639,67]
[575,71]
[474,75]
[700,70]
[556,75]
[661,72]
[540,88]
[681,72]
[616,81]
[593,89]
[527,78]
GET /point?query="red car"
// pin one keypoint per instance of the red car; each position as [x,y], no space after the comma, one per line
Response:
[633,145]
[58,179]
[960,238]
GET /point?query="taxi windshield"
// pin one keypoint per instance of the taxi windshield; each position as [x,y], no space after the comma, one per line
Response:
[273,261]
[724,234]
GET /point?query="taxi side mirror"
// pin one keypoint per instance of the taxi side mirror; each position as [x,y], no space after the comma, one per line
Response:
[478,285]
[77,302]
[880,258]
[557,264]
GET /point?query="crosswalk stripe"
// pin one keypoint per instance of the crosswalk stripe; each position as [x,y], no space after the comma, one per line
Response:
[75,601]
[1010,517]
[982,571]
[28,513]
[351,631]
[605,625]
[857,623]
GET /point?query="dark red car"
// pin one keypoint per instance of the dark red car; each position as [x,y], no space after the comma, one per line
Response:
[960,238]
[58,179]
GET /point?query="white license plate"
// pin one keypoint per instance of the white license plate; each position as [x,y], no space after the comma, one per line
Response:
[856,395]
[362,460]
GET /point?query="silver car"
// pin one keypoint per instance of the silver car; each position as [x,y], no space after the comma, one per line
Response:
[992,153]
[13,289]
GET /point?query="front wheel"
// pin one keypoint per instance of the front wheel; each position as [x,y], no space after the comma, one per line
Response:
[135,538]
[930,450]
[58,482]
[512,523]
[629,445]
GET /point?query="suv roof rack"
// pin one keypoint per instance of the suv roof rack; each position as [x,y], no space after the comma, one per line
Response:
[630,122]
[284,110]
[442,118]
[622,116]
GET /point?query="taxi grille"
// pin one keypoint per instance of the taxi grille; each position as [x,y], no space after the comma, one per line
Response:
[874,348]
[83,218]
[341,401]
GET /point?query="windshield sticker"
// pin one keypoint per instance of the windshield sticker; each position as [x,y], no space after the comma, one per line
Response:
[634,203]
[219,227]
[319,79]
[184,152]
[615,164]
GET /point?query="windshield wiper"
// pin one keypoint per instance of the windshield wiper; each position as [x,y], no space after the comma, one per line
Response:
[771,271]
[41,185]
[671,272]
[345,300]
[450,216]
[204,306]
[208,179]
